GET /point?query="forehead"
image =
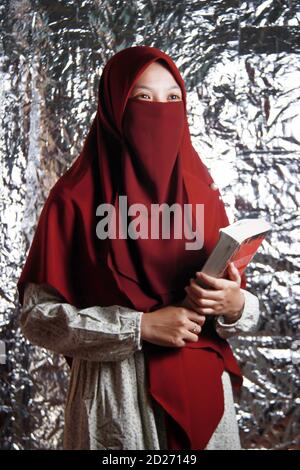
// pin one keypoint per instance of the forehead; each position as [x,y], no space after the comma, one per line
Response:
[156,73]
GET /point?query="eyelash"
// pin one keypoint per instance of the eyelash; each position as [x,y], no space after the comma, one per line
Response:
[144,94]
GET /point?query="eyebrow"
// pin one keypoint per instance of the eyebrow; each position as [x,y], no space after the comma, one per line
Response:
[149,88]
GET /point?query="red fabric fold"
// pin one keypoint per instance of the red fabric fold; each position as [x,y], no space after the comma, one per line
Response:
[141,150]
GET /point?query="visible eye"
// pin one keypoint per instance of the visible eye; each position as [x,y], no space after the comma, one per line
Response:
[142,95]
[176,97]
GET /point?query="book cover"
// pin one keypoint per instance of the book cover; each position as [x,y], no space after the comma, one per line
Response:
[238,243]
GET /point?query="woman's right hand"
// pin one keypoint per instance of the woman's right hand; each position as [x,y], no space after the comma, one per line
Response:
[171,325]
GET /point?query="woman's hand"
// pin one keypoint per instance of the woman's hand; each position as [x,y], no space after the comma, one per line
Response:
[171,326]
[225,298]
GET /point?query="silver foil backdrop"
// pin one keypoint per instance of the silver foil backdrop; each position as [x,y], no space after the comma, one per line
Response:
[240,61]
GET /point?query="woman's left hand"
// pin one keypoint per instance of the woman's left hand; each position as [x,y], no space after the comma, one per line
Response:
[224,298]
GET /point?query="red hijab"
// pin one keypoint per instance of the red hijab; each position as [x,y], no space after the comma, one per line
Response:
[141,150]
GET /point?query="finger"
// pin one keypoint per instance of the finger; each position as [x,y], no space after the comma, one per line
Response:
[188,307]
[199,300]
[195,307]
[201,310]
[188,336]
[194,327]
[233,272]
[204,293]
[197,318]
[207,311]
[190,310]
[214,282]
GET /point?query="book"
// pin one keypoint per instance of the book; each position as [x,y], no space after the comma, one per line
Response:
[238,243]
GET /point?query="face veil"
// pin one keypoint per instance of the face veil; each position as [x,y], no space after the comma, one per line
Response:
[142,151]
[153,132]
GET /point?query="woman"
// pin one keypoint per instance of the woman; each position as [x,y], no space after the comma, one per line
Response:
[150,364]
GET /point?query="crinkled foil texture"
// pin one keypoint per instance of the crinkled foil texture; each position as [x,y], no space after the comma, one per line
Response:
[240,61]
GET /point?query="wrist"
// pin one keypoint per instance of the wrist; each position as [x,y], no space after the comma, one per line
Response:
[233,317]
[144,326]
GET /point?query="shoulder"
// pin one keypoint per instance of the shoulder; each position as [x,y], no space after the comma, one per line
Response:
[58,213]
[73,188]
[60,192]
[59,200]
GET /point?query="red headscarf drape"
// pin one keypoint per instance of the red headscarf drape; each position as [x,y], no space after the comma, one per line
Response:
[141,150]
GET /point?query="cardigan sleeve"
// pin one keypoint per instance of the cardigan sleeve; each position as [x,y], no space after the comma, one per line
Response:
[248,322]
[95,333]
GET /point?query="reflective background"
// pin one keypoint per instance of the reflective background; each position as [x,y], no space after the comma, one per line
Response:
[240,62]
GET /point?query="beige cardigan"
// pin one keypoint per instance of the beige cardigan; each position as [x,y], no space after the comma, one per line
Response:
[108,404]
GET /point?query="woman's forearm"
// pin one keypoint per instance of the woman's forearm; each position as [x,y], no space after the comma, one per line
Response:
[96,333]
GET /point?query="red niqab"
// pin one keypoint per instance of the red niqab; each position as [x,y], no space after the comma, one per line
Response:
[141,150]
